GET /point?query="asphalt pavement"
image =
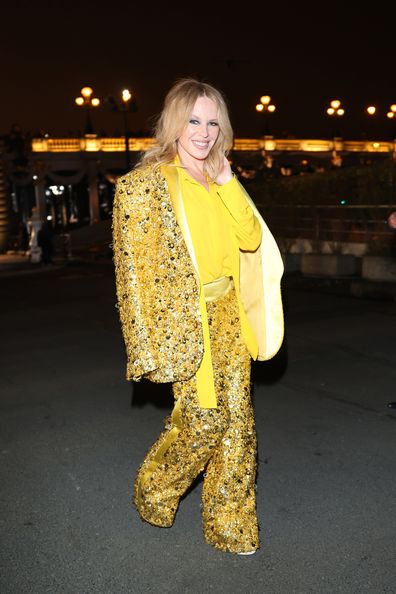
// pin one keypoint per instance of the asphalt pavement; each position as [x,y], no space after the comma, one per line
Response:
[73,432]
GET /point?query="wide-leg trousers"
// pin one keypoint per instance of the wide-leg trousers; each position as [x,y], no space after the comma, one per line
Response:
[219,442]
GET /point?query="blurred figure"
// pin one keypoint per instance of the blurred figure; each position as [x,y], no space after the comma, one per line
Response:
[286,170]
[23,238]
[392,221]
[34,225]
[45,242]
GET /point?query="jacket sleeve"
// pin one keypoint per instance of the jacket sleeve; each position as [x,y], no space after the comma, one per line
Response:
[243,220]
[130,261]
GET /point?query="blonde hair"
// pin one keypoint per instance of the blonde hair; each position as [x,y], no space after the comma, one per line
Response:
[170,124]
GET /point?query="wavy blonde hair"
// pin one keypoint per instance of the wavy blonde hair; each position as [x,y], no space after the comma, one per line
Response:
[178,105]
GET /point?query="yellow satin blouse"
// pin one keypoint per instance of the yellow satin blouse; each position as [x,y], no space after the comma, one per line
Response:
[216,218]
[221,222]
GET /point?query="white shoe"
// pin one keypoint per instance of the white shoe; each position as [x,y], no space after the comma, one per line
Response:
[247,553]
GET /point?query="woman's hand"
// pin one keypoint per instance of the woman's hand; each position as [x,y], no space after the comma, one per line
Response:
[225,174]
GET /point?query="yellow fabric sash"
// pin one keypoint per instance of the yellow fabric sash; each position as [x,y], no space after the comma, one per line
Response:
[204,376]
[156,461]
[217,288]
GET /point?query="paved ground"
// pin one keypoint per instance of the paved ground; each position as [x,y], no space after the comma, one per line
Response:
[73,432]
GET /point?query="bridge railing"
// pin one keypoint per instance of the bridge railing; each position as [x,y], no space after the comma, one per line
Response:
[331,226]
[332,208]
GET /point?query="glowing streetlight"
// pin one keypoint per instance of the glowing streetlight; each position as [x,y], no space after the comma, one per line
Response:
[391,115]
[124,105]
[265,106]
[87,100]
[335,108]
[126,95]
[86,92]
[392,111]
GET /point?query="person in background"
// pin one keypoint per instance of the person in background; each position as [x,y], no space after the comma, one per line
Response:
[198,286]
[45,241]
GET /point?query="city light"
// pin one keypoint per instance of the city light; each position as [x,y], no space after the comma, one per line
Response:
[87,100]
[335,108]
[86,92]
[392,111]
[265,104]
[126,95]
[124,105]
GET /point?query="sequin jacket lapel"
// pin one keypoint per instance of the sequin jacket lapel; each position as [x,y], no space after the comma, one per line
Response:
[157,290]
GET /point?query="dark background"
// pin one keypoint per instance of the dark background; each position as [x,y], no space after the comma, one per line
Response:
[302,54]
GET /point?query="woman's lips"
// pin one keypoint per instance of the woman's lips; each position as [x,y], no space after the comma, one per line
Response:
[200,145]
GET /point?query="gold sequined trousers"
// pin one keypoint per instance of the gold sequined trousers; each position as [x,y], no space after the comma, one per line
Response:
[219,442]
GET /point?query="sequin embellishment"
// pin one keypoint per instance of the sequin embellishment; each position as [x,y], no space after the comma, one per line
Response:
[219,442]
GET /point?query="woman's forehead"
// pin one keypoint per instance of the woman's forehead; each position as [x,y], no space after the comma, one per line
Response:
[205,106]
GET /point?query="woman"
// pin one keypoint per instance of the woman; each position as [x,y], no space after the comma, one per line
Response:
[198,286]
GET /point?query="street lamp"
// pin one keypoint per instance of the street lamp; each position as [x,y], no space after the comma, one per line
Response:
[87,101]
[371,111]
[392,112]
[124,105]
[391,115]
[335,110]
[265,106]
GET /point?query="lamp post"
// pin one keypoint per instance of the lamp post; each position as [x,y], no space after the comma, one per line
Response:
[124,105]
[87,101]
[265,107]
[335,110]
[371,111]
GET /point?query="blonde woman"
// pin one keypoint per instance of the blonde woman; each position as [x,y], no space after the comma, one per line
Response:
[198,285]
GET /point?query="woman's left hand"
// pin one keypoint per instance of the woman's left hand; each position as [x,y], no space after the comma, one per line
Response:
[225,174]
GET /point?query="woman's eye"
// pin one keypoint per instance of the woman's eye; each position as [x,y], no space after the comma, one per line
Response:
[194,122]
[213,123]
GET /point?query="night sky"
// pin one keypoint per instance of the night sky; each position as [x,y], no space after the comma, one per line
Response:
[302,54]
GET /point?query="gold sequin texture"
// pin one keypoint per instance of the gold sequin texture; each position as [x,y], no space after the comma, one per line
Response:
[162,331]
[220,442]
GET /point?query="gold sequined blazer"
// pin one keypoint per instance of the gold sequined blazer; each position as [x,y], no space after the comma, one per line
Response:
[160,297]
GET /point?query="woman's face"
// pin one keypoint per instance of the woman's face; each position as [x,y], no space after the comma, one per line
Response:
[202,130]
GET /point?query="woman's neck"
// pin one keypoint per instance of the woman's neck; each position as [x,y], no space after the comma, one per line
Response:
[194,166]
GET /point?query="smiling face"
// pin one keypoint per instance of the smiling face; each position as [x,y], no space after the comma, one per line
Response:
[200,133]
